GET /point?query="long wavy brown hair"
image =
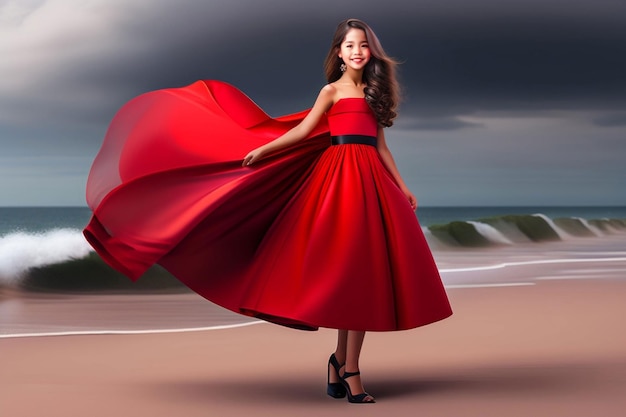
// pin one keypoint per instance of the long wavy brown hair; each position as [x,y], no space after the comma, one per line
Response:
[382,91]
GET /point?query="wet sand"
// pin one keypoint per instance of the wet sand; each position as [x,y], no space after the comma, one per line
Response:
[556,348]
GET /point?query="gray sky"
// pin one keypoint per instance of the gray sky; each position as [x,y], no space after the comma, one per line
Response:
[506,102]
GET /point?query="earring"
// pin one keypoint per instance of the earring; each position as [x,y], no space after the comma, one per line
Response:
[343,67]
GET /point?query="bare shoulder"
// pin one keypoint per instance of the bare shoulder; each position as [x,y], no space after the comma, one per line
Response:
[326,97]
[329,88]
[328,91]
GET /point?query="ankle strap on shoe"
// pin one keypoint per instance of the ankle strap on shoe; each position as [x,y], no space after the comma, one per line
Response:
[347,374]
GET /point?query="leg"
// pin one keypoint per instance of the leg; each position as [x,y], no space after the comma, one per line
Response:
[340,355]
[342,344]
[353,353]
[335,387]
[353,350]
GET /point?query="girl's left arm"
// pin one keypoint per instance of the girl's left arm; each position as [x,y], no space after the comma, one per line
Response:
[390,164]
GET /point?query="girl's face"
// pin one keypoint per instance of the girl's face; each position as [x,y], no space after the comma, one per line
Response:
[354,50]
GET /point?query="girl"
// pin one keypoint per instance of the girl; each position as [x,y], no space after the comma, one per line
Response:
[305,234]
[358,72]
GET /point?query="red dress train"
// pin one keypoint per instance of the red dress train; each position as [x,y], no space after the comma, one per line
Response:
[312,236]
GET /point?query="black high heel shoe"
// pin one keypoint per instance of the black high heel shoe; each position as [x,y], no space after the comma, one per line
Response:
[358,398]
[335,389]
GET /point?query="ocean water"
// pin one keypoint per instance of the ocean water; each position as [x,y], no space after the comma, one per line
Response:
[44,246]
[43,219]
[429,216]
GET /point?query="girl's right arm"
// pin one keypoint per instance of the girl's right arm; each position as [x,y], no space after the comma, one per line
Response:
[322,104]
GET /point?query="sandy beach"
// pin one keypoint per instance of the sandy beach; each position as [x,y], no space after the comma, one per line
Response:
[556,348]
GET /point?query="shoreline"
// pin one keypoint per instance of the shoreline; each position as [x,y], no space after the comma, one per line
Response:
[550,349]
[65,313]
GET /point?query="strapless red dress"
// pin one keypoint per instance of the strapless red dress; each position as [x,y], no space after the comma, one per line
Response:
[316,235]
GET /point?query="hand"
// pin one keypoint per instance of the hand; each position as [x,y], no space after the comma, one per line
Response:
[412,200]
[253,156]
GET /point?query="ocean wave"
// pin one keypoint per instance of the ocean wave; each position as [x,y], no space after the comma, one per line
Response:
[61,260]
[20,251]
[512,229]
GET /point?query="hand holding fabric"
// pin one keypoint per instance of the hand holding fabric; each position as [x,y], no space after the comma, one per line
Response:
[253,156]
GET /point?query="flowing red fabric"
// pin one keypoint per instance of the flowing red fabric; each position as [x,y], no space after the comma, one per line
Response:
[312,236]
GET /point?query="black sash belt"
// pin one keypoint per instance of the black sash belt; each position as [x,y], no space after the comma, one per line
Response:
[353,139]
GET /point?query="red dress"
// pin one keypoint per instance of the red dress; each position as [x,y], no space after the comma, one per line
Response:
[313,236]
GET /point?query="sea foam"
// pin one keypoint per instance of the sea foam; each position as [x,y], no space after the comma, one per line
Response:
[490,233]
[20,251]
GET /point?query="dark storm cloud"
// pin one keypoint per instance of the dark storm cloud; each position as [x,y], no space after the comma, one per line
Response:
[490,74]
[459,56]
[611,120]
[481,55]
[434,123]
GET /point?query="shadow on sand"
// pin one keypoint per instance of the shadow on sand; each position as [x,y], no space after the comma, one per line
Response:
[521,380]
